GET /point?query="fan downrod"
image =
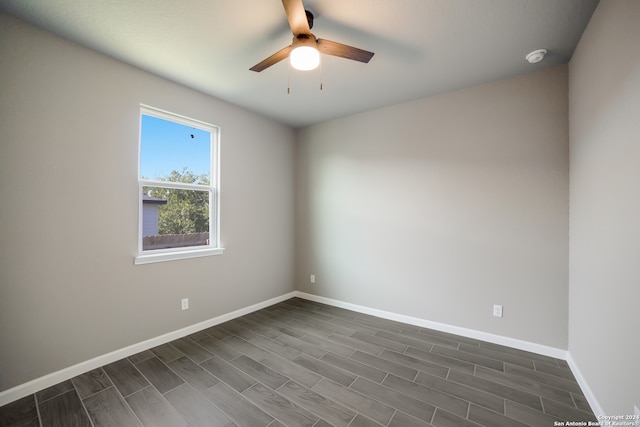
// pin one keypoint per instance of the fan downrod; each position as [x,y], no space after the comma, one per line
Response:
[309,18]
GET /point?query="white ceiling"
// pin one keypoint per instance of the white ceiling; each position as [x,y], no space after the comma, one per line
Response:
[422,47]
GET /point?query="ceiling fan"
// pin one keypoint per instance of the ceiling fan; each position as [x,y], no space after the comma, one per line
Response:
[304,43]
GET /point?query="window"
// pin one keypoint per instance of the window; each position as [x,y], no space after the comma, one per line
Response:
[178,188]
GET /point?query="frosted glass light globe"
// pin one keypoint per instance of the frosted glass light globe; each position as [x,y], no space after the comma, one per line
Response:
[304,58]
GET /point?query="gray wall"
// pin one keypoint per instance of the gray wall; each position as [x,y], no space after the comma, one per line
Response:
[441,207]
[604,98]
[68,161]
[436,208]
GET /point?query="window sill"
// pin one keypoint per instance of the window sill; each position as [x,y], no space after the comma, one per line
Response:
[149,258]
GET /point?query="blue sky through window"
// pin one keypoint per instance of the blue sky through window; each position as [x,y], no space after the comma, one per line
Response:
[167,146]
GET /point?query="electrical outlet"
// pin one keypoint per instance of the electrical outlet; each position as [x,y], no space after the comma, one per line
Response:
[312,279]
[497,310]
[185,303]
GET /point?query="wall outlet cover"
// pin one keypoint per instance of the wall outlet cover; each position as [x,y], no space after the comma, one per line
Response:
[497,310]
[184,304]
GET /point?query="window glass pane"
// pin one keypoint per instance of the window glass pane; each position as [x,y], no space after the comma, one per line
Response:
[174,218]
[178,198]
[166,147]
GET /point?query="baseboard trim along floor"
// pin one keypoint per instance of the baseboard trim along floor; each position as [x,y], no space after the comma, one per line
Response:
[469,333]
[586,390]
[51,379]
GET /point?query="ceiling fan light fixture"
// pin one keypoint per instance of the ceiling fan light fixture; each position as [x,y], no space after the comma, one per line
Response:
[305,58]
[304,50]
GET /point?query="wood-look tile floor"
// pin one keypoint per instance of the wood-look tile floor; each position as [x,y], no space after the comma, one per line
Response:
[301,363]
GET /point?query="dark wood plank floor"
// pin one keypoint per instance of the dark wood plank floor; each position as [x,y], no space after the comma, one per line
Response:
[301,363]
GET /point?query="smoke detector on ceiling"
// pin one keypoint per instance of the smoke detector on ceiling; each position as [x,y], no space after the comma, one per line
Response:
[536,56]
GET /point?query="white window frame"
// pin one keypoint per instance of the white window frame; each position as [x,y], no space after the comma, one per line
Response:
[171,254]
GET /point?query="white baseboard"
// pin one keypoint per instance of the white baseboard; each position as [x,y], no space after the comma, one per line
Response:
[49,380]
[53,378]
[469,333]
[586,390]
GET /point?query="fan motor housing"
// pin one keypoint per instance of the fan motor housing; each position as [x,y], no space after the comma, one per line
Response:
[304,40]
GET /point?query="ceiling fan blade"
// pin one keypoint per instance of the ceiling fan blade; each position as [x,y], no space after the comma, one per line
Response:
[273,59]
[296,16]
[342,50]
